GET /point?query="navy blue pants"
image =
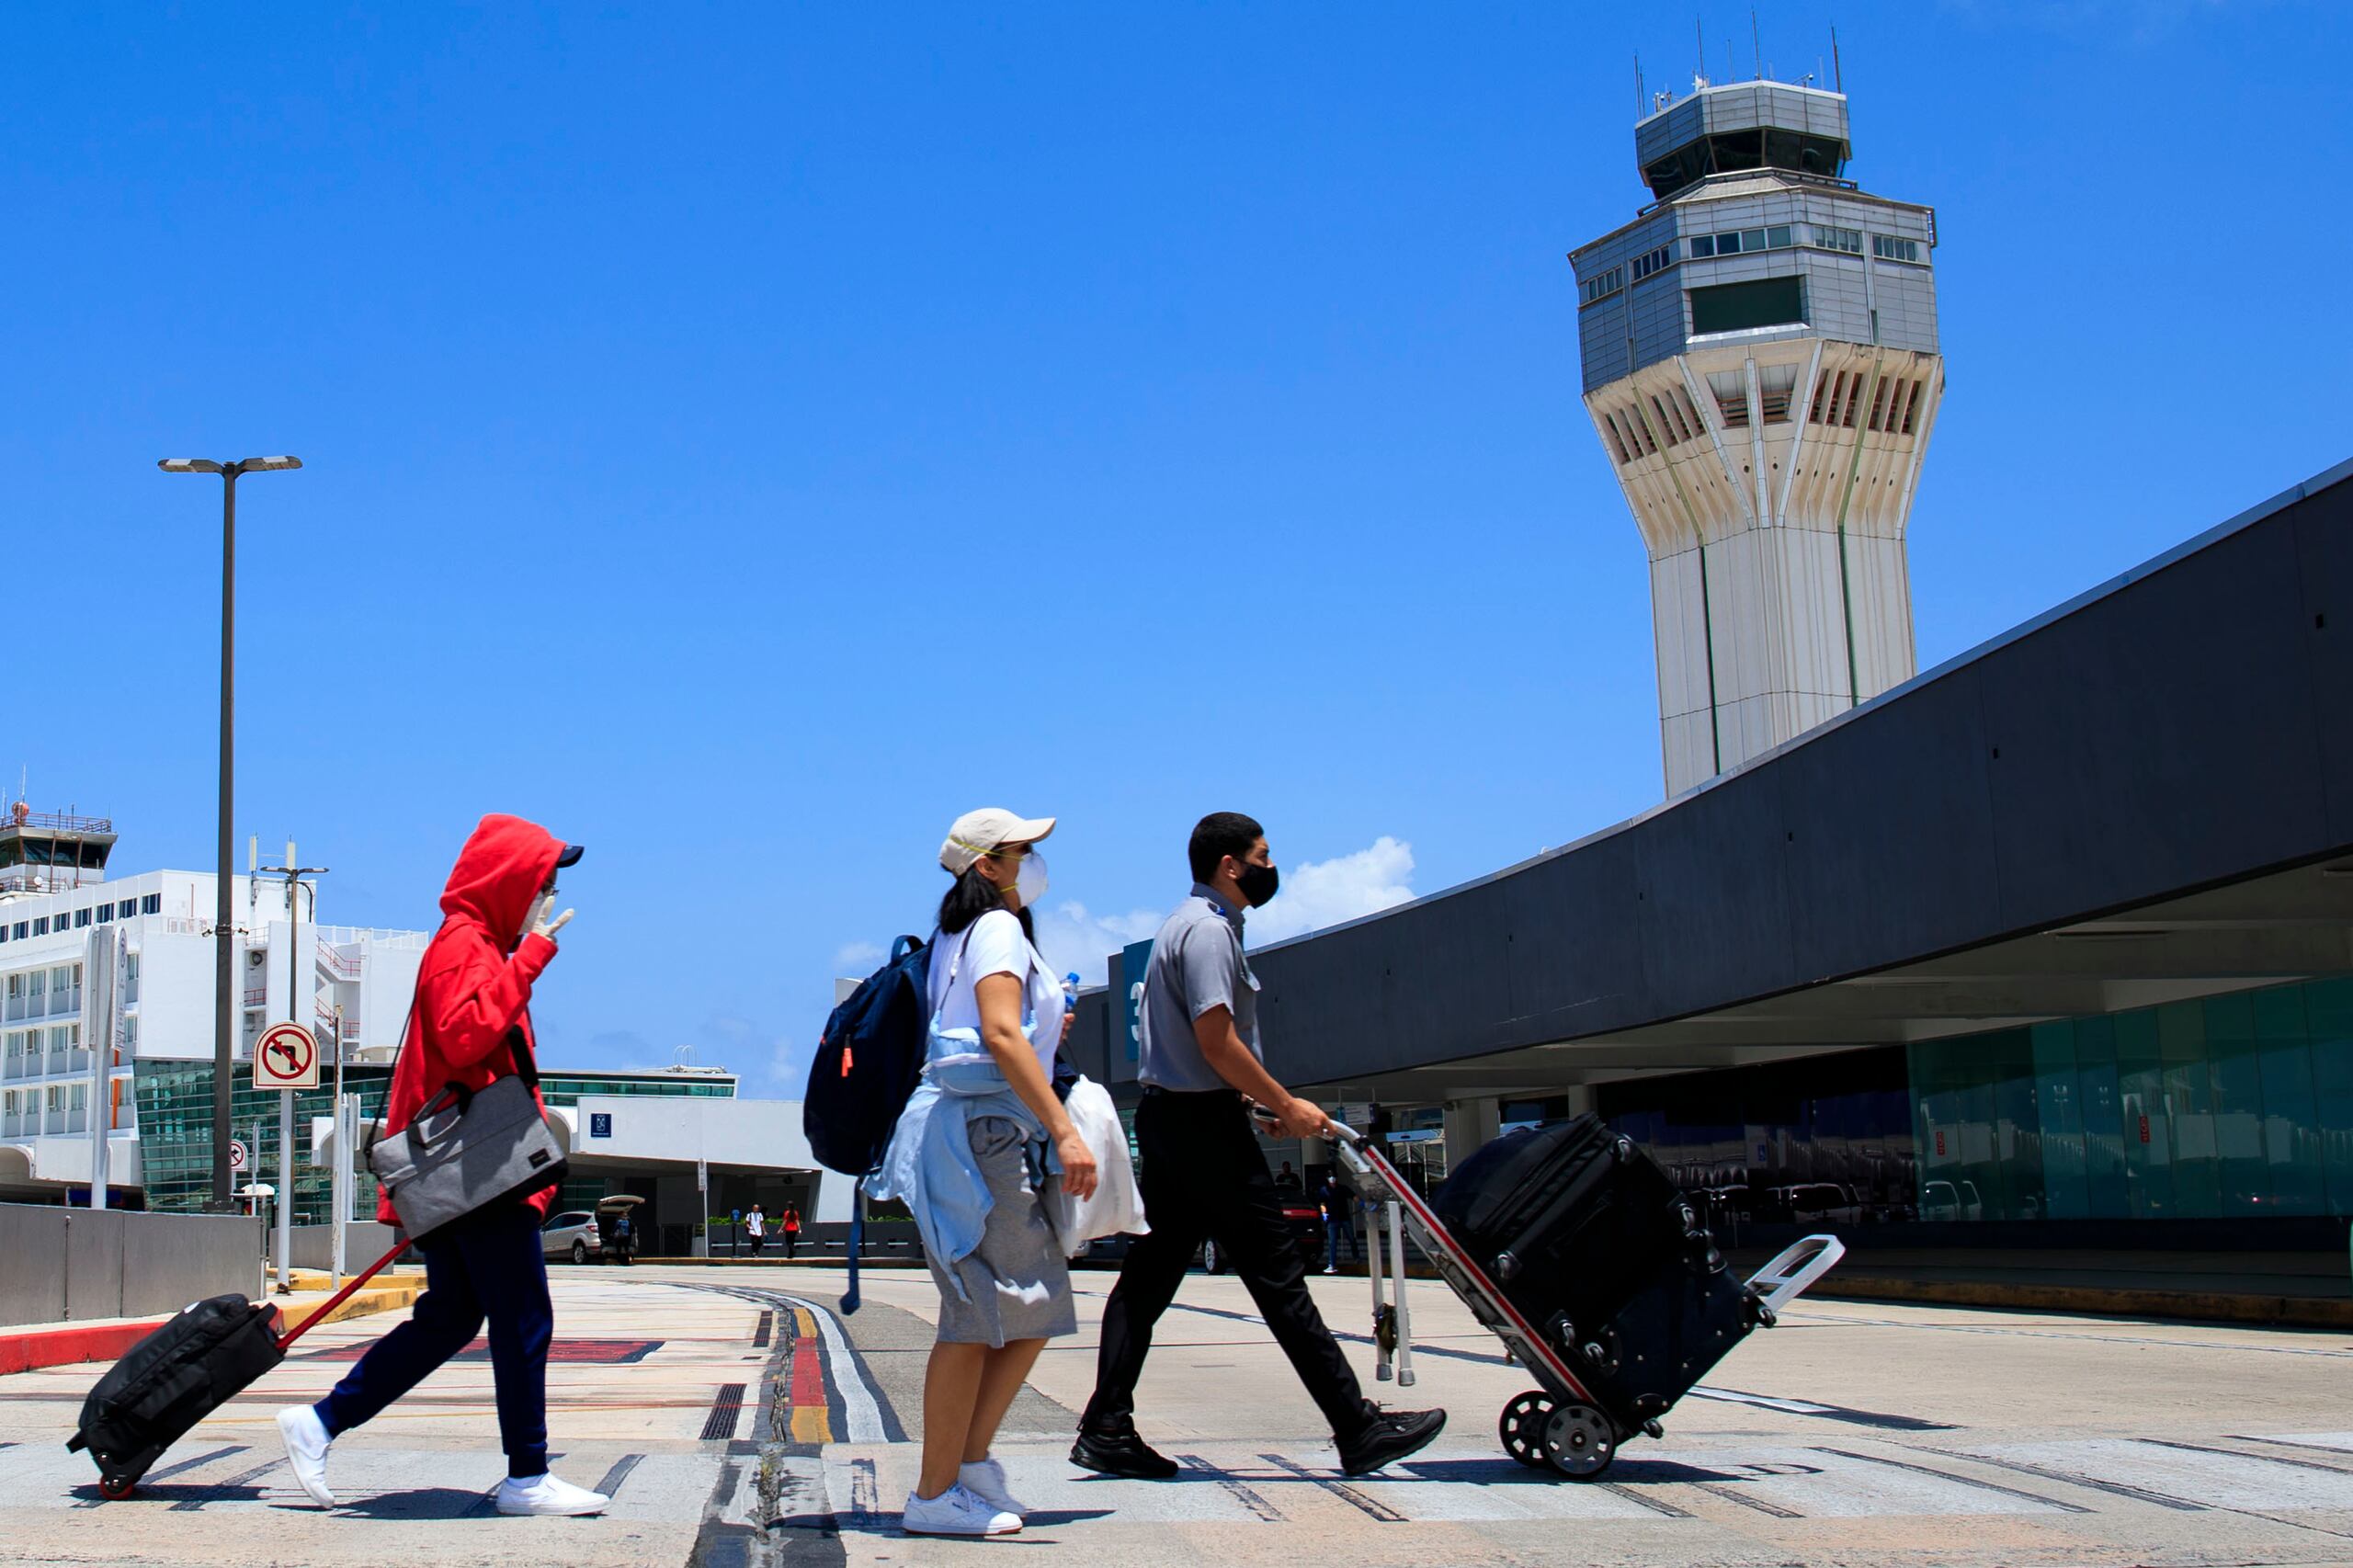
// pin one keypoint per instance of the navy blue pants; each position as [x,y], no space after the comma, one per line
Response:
[487,1266]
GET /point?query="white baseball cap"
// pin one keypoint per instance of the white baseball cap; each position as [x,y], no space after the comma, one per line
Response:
[977,833]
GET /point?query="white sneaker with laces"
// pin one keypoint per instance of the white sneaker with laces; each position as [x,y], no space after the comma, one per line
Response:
[955,1512]
[306,1450]
[984,1479]
[547,1494]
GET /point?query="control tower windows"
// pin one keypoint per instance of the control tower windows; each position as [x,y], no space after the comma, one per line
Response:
[1732,152]
[1739,242]
[1601,285]
[1735,307]
[1887,247]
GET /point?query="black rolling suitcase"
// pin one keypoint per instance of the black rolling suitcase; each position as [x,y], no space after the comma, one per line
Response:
[189,1368]
[1580,1254]
[1597,1249]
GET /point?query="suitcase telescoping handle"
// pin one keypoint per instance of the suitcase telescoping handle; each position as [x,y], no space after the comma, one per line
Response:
[341,1296]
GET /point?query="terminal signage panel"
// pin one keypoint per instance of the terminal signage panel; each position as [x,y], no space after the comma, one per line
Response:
[600,1124]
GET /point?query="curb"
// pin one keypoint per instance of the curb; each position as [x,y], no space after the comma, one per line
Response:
[30,1351]
[2210,1306]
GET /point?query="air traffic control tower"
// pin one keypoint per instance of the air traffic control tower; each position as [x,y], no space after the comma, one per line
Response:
[1759,355]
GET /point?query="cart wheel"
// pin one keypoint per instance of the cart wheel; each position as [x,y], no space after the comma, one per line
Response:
[115,1488]
[1522,1425]
[1578,1442]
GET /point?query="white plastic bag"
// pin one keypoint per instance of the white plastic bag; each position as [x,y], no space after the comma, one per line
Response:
[1116,1207]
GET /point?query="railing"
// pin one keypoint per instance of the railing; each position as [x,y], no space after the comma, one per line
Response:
[397,941]
[1787,176]
[343,963]
[60,822]
[256,994]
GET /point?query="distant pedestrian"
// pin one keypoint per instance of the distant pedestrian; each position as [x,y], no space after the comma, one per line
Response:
[470,1025]
[755,1225]
[792,1231]
[1204,1175]
[1287,1178]
[980,1137]
[624,1238]
[1339,1220]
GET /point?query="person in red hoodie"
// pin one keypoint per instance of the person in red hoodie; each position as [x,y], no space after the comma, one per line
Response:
[471,1026]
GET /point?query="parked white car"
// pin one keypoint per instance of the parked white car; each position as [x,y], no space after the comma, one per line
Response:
[572,1235]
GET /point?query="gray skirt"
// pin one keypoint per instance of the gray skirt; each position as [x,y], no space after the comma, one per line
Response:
[1017,1280]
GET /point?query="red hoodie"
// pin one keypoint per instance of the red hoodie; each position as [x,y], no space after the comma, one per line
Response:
[475,985]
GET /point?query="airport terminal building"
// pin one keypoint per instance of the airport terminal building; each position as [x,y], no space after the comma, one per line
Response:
[2056,938]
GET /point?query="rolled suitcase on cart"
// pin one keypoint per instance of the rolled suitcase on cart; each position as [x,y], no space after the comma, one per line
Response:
[195,1362]
[1580,1254]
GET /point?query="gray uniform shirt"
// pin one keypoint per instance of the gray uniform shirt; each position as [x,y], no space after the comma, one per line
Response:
[1197,964]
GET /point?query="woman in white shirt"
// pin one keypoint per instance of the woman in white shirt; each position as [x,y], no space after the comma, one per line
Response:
[971,1155]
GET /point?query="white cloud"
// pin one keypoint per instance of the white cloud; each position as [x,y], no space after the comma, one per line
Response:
[1346,887]
[856,961]
[1072,938]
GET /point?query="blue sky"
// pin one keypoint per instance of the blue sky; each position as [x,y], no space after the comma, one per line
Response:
[743,438]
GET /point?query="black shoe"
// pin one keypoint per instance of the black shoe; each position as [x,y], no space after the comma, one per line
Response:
[1392,1435]
[1120,1453]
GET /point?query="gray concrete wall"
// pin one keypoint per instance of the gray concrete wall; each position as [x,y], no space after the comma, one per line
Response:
[71,1265]
[365,1243]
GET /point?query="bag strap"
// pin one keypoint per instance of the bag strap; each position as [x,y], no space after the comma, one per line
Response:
[519,1048]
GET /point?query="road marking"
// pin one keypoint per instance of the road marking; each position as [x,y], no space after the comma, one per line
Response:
[1496,1358]
[760,1335]
[1655,1505]
[2114,1488]
[1340,1489]
[1962,1480]
[2233,1453]
[2323,1442]
[811,1414]
[611,1483]
[726,1409]
[861,1413]
[1715,1489]
[2196,1478]
[221,1489]
[1234,1489]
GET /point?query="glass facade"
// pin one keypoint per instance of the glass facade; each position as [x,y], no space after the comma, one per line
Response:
[1825,1139]
[175,1127]
[175,1133]
[565,1088]
[2223,1108]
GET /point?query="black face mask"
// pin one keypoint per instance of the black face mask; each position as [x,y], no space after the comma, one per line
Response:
[1258,883]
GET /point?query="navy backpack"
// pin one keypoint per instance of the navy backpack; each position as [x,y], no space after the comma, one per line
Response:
[867,1065]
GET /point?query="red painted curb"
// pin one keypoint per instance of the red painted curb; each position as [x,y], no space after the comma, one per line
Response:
[63,1347]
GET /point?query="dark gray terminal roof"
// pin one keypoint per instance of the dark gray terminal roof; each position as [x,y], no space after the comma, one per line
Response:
[2146,794]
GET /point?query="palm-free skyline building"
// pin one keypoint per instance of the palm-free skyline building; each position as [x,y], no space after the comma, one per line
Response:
[1760,359]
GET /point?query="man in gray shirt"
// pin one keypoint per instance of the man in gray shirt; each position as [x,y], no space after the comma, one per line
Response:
[1203,1174]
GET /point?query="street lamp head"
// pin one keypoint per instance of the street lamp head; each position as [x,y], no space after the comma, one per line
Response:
[189,465]
[263,465]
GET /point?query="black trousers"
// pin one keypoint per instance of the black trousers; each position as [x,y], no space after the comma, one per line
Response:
[1203,1176]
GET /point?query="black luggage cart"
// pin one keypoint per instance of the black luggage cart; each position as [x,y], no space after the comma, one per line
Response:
[1560,1425]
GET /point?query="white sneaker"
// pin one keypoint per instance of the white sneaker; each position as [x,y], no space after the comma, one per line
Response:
[955,1512]
[984,1479]
[546,1494]
[306,1450]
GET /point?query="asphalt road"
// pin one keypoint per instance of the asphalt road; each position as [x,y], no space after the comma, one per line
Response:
[740,1419]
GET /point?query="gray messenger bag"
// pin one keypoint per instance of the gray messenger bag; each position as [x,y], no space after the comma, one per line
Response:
[466,1150]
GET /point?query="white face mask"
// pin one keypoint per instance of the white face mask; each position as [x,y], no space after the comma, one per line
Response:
[1029,884]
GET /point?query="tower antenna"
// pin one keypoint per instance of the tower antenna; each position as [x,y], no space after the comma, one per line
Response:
[1756,46]
[1839,71]
[1699,54]
[1639,96]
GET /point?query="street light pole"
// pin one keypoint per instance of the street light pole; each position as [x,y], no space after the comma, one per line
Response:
[225,979]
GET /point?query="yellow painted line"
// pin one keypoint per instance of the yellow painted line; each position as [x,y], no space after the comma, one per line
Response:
[812,1425]
[803,1324]
[811,1422]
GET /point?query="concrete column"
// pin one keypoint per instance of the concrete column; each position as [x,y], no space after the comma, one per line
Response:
[1471,1125]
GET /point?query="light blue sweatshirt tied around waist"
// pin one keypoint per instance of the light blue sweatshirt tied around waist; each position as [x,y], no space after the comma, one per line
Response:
[930,1164]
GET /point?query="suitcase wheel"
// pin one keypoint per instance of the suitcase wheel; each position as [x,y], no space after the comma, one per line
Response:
[115,1488]
[1521,1427]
